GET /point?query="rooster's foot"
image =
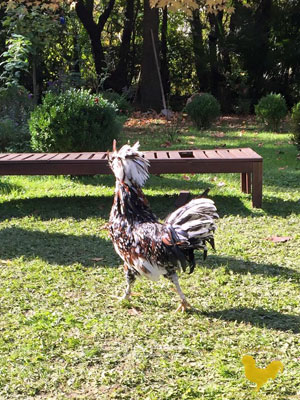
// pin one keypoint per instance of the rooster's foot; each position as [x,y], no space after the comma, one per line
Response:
[183,306]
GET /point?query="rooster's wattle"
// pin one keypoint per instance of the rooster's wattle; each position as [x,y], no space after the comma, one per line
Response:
[147,247]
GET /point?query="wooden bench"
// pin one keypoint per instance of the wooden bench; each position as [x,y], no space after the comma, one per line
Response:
[242,160]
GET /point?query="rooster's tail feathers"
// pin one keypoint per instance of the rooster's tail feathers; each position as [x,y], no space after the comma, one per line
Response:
[195,222]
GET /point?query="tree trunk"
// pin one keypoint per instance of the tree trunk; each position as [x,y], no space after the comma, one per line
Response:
[84,10]
[119,79]
[262,29]
[201,58]
[165,74]
[213,58]
[149,93]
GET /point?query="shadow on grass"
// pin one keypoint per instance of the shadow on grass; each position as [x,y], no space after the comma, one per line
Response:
[81,207]
[279,207]
[240,266]
[46,208]
[57,248]
[259,317]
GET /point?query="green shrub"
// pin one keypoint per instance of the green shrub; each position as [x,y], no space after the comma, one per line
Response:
[13,137]
[74,120]
[296,124]
[123,105]
[15,106]
[7,133]
[203,110]
[271,110]
[16,103]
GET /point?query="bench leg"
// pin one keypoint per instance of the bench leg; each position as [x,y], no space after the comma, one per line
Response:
[257,184]
[246,182]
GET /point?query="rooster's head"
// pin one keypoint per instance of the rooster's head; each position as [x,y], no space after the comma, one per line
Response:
[128,165]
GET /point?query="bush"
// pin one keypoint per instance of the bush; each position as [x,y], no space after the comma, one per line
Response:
[15,106]
[203,110]
[123,105]
[271,110]
[7,133]
[296,124]
[13,137]
[74,120]
[16,103]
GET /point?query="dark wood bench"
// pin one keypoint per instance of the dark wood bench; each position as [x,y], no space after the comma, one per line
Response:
[242,160]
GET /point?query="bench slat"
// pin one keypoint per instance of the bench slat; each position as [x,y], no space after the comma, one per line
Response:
[200,154]
[162,155]
[212,154]
[174,155]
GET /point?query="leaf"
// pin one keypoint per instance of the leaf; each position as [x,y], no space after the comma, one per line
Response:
[218,134]
[166,144]
[186,177]
[133,311]
[279,239]
[97,259]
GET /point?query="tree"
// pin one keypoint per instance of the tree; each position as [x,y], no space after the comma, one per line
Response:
[85,12]
[119,78]
[149,92]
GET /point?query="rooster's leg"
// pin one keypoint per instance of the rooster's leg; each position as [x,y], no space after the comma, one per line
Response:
[130,278]
[184,305]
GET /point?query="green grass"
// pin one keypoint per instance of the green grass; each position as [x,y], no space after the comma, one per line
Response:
[63,333]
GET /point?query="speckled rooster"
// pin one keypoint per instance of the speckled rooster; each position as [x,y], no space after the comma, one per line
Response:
[147,247]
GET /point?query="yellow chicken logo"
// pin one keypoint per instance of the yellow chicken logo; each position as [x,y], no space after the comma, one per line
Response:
[260,375]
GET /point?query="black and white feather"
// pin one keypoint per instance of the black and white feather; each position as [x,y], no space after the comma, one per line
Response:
[148,247]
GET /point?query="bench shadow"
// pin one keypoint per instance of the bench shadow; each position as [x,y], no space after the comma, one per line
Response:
[57,248]
[259,317]
[275,206]
[81,207]
[239,266]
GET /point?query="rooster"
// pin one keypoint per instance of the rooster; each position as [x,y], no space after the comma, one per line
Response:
[147,247]
[260,375]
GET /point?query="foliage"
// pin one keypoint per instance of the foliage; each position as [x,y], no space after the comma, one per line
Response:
[123,105]
[187,6]
[16,104]
[13,137]
[7,132]
[74,121]
[15,107]
[296,124]
[271,110]
[15,59]
[203,110]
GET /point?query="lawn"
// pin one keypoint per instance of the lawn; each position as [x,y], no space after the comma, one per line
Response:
[65,335]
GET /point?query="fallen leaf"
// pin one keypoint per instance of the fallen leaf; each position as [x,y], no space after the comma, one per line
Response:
[221,184]
[218,134]
[279,239]
[186,177]
[281,168]
[166,144]
[97,259]
[133,311]
[260,144]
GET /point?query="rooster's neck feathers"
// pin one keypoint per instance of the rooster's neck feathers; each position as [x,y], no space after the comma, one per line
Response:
[129,166]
